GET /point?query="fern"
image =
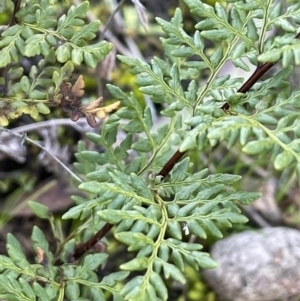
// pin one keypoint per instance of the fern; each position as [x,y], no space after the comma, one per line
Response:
[64,40]
[138,186]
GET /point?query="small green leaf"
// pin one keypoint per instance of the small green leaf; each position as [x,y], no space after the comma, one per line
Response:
[39,210]
[245,197]
[16,253]
[287,57]
[92,261]
[95,157]
[112,278]
[172,271]
[206,24]
[284,160]
[39,240]
[132,288]
[183,52]
[136,264]
[33,45]
[63,53]
[77,56]
[203,260]
[159,285]
[144,146]
[39,95]
[164,252]
[135,240]
[217,56]
[257,147]
[134,126]
[270,56]
[245,133]
[97,294]
[27,289]
[216,34]
[40,291]
[211,228]
[25,83]
[285,25]
[15,72]
[189,142]
[296,52]
[208,206]
[235,217]
[89,60]
[72,290]
[221,12]
[42,108]
[239,50]
[177,259]
[241,64]
[174,229]
[194,227]
[5,57]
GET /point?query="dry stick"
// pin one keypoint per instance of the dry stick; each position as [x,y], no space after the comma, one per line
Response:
[258,73]
[24,137]
[110,19]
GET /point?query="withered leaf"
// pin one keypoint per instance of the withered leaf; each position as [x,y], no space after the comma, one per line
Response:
[91,120]
[78,88]
[41,256]
[102,112]
[76,114]
[93,108]
[92,105]
[65,88]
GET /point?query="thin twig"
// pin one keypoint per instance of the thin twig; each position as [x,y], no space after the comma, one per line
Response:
[105,27]
[254,216]
[24,137]
[50,123]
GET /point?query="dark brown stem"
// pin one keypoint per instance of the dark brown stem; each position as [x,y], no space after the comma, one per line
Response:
[171,163]
[258,73]
[92,241]
[17,4]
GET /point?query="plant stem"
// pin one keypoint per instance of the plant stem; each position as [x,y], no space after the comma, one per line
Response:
[92,241]
[17,4]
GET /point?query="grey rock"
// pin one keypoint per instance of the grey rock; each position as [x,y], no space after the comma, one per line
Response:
[258,265]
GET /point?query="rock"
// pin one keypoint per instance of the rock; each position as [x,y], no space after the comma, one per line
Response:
[257,265]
